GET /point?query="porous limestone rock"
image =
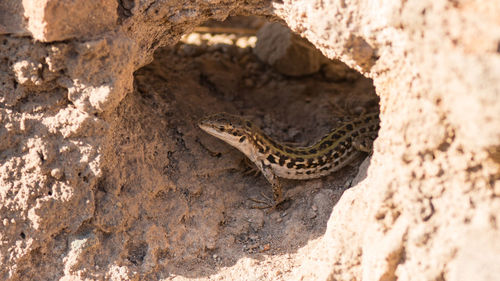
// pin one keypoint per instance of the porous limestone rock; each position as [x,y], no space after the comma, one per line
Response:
[101,178]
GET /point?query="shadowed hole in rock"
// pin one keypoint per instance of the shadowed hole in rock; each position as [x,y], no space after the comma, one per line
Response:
[190,189]
[137,252]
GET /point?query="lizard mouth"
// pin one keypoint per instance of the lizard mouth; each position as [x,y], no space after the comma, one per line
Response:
[210,129]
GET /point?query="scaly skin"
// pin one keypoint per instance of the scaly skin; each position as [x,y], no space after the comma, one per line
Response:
[273,159]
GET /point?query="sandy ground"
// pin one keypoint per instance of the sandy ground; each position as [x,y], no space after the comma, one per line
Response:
[198,182]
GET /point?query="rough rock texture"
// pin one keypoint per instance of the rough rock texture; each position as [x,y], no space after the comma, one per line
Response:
[287,52]
[104,175]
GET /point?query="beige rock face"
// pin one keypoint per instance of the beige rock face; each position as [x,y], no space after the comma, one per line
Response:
[104,174]
[50,20]
[289,54]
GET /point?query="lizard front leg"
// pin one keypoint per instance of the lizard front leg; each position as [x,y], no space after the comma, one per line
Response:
[268,173]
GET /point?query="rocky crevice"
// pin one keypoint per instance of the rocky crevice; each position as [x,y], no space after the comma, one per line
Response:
[102,168]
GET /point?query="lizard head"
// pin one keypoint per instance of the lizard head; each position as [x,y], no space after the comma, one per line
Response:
[230,128]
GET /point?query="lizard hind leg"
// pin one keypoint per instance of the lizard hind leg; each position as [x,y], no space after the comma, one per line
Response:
[364,144]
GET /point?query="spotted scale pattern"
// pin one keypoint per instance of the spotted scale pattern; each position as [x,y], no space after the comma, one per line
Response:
[329,154]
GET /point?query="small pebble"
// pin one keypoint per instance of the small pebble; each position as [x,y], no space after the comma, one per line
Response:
[56,173]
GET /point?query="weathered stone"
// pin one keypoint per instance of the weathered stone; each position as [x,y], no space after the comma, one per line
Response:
[287,52]
[141,193]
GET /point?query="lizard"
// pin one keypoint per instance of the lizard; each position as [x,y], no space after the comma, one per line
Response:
[276,160]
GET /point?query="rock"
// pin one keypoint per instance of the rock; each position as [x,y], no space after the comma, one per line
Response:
[287,52]
[57,173]
[57,20]
[143,194]
[336,71]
